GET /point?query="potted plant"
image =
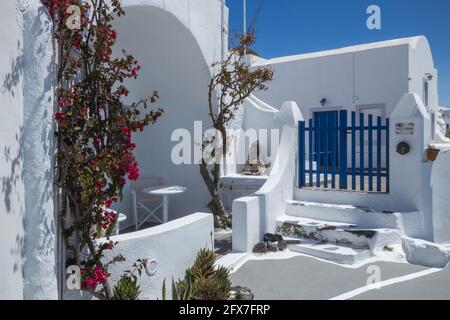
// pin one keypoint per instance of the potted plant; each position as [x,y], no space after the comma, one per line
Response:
[432,153]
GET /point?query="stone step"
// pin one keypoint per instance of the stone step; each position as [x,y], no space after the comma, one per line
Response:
[361,216]
[331,252]
[325,231]
[314,224]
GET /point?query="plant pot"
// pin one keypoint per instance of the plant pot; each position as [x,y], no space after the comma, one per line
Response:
[432,154]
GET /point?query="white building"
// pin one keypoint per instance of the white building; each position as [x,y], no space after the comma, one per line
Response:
[393,80]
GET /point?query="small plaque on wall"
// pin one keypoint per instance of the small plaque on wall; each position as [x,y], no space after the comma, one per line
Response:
[404,128]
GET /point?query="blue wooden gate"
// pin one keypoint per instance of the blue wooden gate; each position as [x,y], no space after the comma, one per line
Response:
[336,154]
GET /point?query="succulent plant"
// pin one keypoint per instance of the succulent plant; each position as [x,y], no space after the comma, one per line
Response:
[181,290]
[202,281]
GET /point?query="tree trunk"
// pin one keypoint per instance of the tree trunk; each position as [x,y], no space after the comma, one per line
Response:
[215,205]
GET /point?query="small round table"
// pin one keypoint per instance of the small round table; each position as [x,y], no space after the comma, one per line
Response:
[165,192]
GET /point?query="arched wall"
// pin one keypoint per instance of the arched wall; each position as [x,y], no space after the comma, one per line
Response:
[173,63]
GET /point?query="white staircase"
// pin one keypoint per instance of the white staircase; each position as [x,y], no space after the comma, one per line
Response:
[344,234]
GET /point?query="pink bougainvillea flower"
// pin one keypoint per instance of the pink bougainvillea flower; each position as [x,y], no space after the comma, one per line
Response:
[133,171]
[59,116]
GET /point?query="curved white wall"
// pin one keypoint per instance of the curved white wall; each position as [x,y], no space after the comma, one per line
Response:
[170,249]
[421,63]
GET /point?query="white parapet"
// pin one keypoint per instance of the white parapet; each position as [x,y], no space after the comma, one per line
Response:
[257,214]
[170,248]
[246,224]
[440,179]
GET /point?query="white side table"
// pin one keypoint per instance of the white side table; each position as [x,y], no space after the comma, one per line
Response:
[165,192]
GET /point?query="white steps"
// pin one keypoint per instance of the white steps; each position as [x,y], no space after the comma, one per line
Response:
[324,231]
[315,225]
[343,234]
[331,252]
[363,217]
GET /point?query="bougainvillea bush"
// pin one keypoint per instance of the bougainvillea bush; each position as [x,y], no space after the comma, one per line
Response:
[94,130]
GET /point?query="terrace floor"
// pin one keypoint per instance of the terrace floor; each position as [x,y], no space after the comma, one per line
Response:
[307,278]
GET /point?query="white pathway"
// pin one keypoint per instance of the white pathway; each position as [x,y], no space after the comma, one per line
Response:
[307,278]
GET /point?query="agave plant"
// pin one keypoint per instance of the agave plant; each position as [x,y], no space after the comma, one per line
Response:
[202,281]
[181,290]
[126,289]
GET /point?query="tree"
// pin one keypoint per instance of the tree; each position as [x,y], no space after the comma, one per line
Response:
[231,83]
[94,131]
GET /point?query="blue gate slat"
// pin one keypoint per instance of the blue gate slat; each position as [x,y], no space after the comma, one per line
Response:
[325,156]
[387,156]
[343,150]
[353,128]
[328,146]
[301,139]
[361,151]
[310,138]
[370,152]
[317,138]
[379,142]
[333,150]
[300,164]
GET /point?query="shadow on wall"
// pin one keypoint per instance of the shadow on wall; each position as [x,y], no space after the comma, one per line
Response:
[10,190]
[12,206]
[40,236]
[11,82]
[12,79]
[13,157]
[174,65]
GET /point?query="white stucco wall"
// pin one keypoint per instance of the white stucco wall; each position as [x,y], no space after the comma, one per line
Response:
[440,179]
[377,74]
[420,64]
[12,191]
[255,215]
[170,249]
[41,262]
[27,237]
[410,174]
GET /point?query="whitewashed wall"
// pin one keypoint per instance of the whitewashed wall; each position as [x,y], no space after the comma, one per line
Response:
[255,215]
[27,245]
[376,74]
[176,42]
[440,180]
[170,249]
[12,193]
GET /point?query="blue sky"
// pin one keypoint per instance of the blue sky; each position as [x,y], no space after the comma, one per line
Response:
[286,27]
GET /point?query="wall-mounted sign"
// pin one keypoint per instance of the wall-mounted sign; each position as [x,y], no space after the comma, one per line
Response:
[404,128]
